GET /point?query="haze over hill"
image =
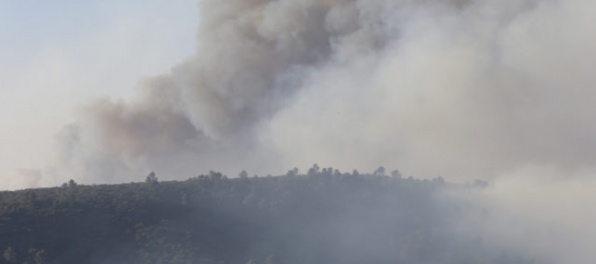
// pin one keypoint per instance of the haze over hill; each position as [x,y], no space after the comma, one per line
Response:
[323,216]
[465,89]
[476,88]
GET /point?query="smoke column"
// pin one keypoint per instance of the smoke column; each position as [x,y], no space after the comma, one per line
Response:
[465,89]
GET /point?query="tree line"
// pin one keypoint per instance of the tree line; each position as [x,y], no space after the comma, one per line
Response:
[321,216]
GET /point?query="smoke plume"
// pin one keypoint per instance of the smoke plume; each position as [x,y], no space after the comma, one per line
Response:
[459,88]
[541,211]
[463,89]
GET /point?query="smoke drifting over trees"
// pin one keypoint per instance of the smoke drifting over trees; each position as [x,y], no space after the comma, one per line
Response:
[323,217]
[475,88]
[463,88]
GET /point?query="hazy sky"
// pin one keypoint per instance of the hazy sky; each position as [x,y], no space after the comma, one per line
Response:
[55,55]
[494,89]
[462,89]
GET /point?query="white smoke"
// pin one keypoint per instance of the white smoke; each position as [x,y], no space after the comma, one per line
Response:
[463,89]
[460,88]
[541,211]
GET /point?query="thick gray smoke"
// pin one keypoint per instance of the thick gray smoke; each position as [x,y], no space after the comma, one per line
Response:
[463,89]
[459,88]
[544,212]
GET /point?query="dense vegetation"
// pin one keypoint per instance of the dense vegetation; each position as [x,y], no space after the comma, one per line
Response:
[323,216]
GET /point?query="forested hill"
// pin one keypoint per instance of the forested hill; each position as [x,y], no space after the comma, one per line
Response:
[321,217]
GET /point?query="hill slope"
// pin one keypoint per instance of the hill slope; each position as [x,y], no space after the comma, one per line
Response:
[320,217]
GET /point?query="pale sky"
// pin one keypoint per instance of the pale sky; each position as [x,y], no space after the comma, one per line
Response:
[58,55]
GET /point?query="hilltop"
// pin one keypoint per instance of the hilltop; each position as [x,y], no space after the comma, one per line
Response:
[322,216]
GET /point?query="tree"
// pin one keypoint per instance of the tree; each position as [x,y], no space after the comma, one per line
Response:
[293,172]
[439,180]
[314,170]
[396,173]
[380,171]
[243,175]
[72,183]
[215,176]
[151,178]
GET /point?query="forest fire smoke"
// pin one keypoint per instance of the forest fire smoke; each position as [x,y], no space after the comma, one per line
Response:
[460,88]
[475,88]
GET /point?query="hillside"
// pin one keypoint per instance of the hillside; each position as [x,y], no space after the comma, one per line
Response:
[323,216]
